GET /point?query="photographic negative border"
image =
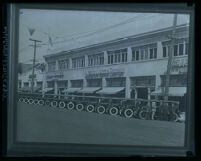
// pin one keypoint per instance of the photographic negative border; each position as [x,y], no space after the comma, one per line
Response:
[15,148]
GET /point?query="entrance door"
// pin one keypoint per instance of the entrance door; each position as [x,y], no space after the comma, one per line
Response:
[142,93]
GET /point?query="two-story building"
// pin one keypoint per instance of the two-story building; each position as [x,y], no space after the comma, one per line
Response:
[131,67]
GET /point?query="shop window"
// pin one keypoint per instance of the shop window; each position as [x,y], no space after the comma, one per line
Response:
[94,82]
[143,81]
[50,84]
[39,84]
[175,80]
[76,83]
[26,84]
[62,84]
[115,82]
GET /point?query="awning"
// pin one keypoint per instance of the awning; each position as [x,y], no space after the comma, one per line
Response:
[70,90]
[173,91]
[46,90]
[25,89]
[89,89]
[110,90]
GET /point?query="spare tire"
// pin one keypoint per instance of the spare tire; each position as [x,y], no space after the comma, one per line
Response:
[90,108]
[79,107]
[128,113]
[41,102]
[62,104]
[54,103]
[101,109]
[70,105]
[113,111]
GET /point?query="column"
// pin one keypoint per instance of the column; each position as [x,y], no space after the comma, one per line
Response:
[86,60]
[149,96]
[57,66]
[127,90]
[159,50]
[105,58]
[84,82]
[129,56]
[135,93]
[104,82]
[158,82]
[55,88]
[70,63]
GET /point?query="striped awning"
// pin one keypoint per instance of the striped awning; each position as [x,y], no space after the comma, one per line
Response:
[71,90]
[173,91]
[47,90]
[89,89]
[110,90]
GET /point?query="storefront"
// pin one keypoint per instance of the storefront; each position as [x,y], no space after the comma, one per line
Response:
[142,86]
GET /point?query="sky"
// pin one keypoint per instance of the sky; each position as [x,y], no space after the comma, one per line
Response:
[61,30]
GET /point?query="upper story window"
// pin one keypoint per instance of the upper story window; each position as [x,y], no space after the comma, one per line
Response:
[51,66]
[78,62]
[144,52]
[152,53]
[97,59]
[117,56]
[63,64]
[179,48]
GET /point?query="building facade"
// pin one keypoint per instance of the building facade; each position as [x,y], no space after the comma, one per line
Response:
[25,78]
[131,67]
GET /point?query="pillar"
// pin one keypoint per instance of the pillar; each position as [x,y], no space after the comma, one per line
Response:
[129,56]
[104,82]
[57,65]
[84,82]
[70,63]
[86,60]
[149,96]
[158,82]
[136,93]
[127,90]
[105,58]
[159,50]
[55,88]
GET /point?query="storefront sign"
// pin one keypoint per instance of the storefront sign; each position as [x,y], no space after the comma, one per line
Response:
[54,76]
[179,65]
[106,73]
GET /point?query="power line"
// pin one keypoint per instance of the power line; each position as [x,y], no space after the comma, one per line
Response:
[101,30]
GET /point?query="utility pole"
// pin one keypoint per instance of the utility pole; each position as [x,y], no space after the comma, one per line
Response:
[169,66]
[34,59]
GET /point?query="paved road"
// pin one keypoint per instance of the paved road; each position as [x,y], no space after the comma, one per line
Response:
[48,124]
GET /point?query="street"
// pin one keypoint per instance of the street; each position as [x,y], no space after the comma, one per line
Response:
[48,124]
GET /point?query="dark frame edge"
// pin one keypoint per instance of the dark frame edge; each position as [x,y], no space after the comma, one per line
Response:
[15,149]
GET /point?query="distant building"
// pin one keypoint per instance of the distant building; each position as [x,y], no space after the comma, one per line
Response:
[131,67]
[25,77]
